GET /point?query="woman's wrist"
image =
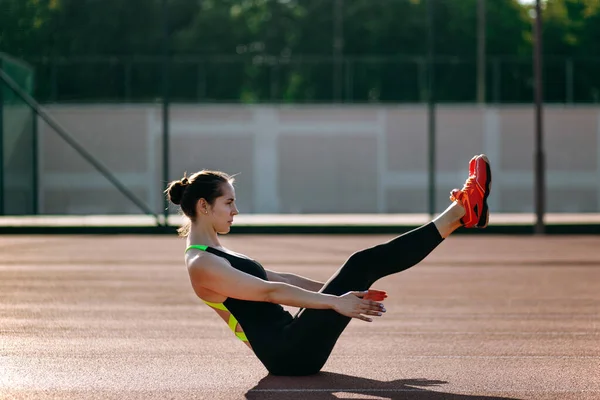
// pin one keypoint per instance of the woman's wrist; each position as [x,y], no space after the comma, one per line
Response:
[332,302]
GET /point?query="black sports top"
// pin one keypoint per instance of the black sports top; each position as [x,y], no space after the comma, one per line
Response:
[262,322]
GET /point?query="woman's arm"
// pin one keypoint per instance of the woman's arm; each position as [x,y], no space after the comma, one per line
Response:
[219,276]
[295,280]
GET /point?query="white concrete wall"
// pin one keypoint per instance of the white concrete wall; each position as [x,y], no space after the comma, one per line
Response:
[319,158]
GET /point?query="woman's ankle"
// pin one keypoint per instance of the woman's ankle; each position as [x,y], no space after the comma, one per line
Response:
[450,220]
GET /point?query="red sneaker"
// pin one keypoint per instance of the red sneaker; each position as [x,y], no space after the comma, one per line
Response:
[473,196]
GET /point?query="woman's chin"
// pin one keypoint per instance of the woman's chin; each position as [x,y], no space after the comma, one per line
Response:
[224,230]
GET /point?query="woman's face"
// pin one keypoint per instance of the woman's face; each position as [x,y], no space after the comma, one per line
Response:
[224,209]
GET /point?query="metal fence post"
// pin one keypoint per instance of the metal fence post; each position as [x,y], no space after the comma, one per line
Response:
[53,80]
[496,80]
[127,66]
[35,178]
[338,50]
[481,63]
[165,109]
[35,173]
[431,108]
[201,83]
[539,155]
[569,80]
[1,144]
[274,81]
[422,78]
[349,82]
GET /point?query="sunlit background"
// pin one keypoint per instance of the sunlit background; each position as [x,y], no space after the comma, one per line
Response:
[337,106]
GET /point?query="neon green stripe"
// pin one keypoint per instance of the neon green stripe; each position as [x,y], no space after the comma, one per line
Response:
[197,246]
[233,323]
[218,306]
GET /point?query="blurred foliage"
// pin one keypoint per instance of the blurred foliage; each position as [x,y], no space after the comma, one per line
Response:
[285,50]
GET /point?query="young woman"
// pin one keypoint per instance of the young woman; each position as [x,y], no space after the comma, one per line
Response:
[249,297]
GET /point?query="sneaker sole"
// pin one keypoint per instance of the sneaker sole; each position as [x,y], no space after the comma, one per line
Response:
[485,215]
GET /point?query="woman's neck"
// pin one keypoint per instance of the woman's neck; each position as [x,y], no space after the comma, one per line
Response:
[201,235]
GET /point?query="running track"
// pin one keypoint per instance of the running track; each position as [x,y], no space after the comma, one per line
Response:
[114,317]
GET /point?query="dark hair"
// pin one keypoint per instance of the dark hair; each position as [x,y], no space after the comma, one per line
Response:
[186,192]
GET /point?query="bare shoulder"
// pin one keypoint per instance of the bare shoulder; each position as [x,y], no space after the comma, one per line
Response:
[201,260]
[201,269]
[215,279]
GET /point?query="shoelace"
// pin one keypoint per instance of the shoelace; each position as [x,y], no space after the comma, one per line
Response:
[469,183]
[457,194]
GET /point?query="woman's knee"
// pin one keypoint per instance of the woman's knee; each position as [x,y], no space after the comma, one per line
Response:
[358,259]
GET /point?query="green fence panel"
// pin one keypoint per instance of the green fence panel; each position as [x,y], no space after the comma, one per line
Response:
[18,186]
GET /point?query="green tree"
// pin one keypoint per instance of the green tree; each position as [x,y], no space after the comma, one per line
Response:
[283,50]
[24,25]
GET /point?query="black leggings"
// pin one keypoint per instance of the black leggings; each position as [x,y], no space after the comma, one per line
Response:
[310,338]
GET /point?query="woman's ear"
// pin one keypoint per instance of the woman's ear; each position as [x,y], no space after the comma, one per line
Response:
[202,207]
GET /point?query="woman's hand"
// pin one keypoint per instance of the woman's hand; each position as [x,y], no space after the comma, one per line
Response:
[353,305]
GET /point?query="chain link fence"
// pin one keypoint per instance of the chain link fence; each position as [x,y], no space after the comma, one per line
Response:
[266,79]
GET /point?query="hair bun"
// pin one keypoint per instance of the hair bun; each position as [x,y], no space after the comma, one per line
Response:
[176,190]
